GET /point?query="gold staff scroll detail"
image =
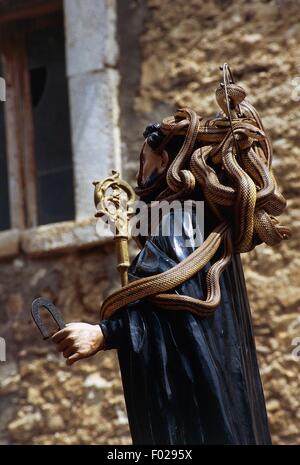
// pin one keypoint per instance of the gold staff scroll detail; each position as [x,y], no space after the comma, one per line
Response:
[114,198]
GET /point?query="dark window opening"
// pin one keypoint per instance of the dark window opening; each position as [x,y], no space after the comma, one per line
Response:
[4,196]
[50,112]
[38,78]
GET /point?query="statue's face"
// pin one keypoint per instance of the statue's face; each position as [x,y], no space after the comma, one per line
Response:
[152,165]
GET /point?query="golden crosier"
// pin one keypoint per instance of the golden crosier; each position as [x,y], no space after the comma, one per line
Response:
[109,201]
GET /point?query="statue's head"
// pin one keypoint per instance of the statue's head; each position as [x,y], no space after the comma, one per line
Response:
[155,159]
[229,167]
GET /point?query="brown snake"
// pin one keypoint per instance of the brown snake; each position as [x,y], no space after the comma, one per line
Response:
[232,165]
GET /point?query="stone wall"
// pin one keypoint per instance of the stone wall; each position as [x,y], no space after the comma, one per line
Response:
[42,401]
[183,45]
[93,79]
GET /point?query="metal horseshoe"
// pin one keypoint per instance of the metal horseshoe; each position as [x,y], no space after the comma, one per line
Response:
[37,304]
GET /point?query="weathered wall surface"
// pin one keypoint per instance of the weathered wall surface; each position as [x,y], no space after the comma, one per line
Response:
[170,54]
[42,401]
[183,45]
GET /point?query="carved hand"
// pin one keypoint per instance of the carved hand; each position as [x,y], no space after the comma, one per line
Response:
[79,340]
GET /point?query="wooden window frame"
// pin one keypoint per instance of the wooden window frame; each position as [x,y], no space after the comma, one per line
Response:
[20,150]
[22,9]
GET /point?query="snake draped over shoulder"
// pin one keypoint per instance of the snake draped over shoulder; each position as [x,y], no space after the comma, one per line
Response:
[230,158]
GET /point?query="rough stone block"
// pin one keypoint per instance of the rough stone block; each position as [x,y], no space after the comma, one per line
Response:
[90,35]
[95,133]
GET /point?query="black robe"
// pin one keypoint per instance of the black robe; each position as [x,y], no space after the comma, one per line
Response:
[189,380]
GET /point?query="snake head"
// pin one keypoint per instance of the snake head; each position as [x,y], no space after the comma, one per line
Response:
[249,131]
[236,94]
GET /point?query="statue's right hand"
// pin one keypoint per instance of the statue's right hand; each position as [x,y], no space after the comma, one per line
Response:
[79,340]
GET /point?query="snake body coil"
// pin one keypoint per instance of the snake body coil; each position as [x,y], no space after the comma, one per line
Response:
[230,158]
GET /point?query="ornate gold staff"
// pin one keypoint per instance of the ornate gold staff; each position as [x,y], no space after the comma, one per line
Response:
[114,198]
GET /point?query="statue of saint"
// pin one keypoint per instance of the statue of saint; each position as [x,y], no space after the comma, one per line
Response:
[182,326]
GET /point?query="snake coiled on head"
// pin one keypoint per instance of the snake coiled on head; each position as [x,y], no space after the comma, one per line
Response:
[231,162]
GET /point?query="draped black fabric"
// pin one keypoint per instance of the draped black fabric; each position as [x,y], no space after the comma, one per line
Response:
[189,380]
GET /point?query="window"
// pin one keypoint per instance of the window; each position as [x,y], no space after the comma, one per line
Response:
[35,140]
[52,146]
[40,178]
